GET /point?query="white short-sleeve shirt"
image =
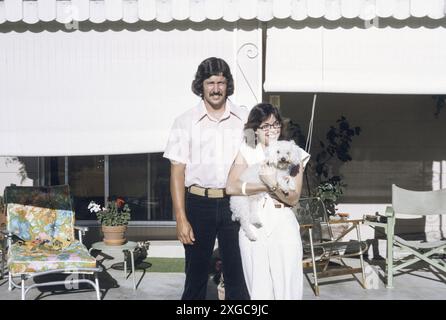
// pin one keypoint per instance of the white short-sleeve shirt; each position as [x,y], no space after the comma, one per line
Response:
[206,145]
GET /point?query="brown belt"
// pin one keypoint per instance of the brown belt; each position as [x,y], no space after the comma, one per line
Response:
[207,192]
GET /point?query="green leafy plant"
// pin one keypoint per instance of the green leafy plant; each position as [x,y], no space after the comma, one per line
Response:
[330,191]
[329,187]
[337,147]
[115,213]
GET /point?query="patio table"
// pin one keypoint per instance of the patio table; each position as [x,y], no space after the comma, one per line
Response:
[116,251]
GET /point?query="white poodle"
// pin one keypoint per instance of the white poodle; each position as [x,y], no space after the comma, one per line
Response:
[286,157]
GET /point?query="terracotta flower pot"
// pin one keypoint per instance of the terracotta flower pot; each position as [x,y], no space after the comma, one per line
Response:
[114,235]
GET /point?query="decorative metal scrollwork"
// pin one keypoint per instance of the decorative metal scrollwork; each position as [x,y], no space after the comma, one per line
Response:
[252,51]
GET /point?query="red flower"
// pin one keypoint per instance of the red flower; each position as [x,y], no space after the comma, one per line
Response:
[120,202]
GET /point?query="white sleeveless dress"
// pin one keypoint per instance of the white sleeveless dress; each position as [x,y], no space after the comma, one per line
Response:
[272,265]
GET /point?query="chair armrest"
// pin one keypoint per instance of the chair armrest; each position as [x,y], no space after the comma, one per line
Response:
[10,237]
[7,233]
[354,221]
[389,212]
[81,228]
[81,231]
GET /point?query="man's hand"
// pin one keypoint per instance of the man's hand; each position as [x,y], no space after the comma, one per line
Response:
[184,232]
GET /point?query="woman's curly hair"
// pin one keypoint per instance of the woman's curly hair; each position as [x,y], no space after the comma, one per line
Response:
[212,67]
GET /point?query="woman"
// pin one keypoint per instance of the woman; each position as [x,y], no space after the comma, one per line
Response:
[272,264]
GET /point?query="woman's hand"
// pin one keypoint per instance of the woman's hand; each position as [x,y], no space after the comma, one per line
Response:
[267,175]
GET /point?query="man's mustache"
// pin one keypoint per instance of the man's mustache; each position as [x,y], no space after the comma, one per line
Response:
[215,94]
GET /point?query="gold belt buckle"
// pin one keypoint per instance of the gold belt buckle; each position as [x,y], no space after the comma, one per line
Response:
[198,191]
[210,193]
[279,205]
[215,193]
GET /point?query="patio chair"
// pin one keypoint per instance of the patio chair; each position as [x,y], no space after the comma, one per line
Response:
[41,239]
[413,204]
[321,247]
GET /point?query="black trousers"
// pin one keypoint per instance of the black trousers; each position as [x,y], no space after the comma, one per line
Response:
[211,218]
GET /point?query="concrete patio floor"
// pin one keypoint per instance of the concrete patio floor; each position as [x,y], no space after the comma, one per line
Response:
[416,285]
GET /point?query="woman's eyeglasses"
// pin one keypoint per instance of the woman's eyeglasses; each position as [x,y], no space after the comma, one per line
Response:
[267,126]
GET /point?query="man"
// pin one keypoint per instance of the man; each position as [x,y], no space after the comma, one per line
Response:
[202,146]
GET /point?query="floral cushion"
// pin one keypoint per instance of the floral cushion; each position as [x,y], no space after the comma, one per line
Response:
[29,222]
[37,256]
[36,223]
[48,241]
[64,225]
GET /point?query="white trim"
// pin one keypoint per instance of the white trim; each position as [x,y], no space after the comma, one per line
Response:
[228,10]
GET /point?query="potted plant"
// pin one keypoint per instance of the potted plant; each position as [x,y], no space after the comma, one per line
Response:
[329,192]
[114,218]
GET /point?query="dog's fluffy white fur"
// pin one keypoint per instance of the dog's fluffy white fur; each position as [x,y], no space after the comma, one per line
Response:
[285,156]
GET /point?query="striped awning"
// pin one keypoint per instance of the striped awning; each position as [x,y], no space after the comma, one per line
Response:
[130,11]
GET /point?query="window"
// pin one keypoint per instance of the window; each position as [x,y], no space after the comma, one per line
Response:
[86,180]
[129,181]
[161,202]
[142,180]
[54,171]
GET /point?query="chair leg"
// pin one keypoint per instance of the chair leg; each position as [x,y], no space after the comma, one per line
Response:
[313,260]
[9,281]
[361,258]
[390,235]
[96,281]
[132,259]
[23,287]
[389,266]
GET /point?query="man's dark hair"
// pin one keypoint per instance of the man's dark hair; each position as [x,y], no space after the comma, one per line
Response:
[212,67]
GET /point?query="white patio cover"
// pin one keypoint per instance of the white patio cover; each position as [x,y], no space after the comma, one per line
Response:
[398,59]
[65,11]
[99,92]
